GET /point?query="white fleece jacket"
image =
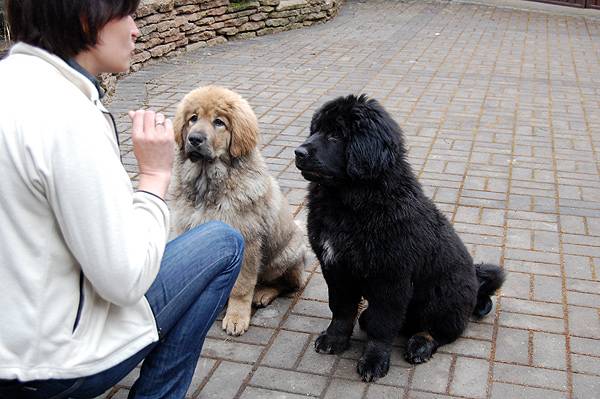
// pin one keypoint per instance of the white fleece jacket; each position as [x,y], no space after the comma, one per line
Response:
[66,207]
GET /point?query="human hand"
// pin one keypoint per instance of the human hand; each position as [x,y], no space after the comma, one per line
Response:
[153,147]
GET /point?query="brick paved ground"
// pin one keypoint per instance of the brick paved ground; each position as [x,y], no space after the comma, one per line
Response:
[501,109]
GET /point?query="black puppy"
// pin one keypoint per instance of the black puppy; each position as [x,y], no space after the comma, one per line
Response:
[378,236]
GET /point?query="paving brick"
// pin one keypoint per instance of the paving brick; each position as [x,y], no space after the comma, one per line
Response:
[316,288]
[547,269]
[512,345]
[501,390]
[479,331]
[260,393]
[585,386]
[226,381]
[584,322]
[585,346]
[285,349]
[519,238]
[203,369]
[584,364]
[311,325]
[467,215]
[345,389]
[572,224]
[537,323]
[468,347]
[289,381]
[534,256]
[517,285]
[236,351]
[530,376]
[433,376]
[549,350]
[384,392]
[578,266]
[583,299]
[312,308]
[470,377]
[547,288]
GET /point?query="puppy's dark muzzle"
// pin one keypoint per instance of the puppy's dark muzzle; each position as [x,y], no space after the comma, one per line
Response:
[197,148]
[308,165]
[302,156]
[196,139]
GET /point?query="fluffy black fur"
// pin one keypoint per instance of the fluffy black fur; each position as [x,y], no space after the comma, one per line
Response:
[378,236]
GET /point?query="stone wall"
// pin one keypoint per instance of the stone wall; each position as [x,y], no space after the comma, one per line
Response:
[169,27]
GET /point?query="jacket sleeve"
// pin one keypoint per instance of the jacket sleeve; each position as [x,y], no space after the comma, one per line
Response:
[117,236]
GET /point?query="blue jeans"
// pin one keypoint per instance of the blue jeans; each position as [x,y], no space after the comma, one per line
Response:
[196,275]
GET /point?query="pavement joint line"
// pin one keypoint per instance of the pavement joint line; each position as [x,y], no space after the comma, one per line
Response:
[561,247]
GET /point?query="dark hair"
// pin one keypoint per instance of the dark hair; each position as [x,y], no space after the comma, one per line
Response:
[63,27]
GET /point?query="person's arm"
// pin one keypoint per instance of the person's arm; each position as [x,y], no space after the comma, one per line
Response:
[117,236]
[152,137]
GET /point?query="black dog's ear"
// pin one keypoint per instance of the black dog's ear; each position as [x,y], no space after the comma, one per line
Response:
[373,147]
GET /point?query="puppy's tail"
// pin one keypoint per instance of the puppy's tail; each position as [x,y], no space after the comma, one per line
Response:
[490,277]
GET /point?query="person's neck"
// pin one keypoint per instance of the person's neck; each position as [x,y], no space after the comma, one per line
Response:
[87,61]
[76,63]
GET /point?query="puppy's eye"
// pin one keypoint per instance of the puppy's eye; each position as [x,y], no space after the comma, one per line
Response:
[193,118]
[218,123]
[333,139]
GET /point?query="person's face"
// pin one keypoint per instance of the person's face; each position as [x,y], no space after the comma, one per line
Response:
[116,42]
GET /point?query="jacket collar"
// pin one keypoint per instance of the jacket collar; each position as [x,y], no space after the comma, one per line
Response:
[76,66]
[76,77]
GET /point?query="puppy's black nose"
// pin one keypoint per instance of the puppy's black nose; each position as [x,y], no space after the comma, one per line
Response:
[197,139]
[301,152]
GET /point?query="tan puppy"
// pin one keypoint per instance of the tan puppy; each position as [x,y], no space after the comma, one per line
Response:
[221,175]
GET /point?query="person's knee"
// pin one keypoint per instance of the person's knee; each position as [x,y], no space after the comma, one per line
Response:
[233,241]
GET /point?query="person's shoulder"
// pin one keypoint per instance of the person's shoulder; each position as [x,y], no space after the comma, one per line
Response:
[31,80]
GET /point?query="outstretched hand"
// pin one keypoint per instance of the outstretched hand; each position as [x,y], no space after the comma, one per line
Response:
[153,147]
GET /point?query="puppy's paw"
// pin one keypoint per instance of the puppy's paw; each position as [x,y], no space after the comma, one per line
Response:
[420,348]
[373,365]
[235,323]
[331,344]
[264,296]
[483,307]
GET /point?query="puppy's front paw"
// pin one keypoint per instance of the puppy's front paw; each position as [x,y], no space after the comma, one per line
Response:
[420,348]
[235,323]
[331,344]
[373,365]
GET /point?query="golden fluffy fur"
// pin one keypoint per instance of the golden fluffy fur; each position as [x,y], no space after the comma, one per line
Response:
[221,175]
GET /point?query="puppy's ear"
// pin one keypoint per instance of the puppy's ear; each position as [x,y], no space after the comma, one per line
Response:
[373,147]
[244,129]
[180,125]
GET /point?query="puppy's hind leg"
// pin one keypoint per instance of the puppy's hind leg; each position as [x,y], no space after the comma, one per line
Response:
[284,275]
[420,347]
[439,325]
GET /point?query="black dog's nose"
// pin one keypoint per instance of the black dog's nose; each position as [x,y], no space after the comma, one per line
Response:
[197,139]
[301,152]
